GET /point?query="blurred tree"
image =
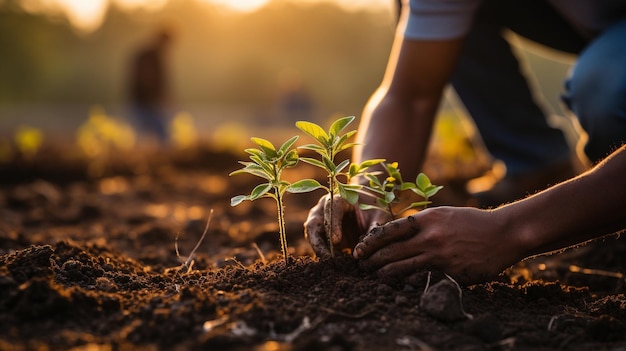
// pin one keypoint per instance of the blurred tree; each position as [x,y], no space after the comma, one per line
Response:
[223,57]
[31,52]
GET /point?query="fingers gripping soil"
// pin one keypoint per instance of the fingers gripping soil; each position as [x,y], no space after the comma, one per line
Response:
[383,235]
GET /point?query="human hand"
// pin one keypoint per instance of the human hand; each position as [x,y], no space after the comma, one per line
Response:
[349,223]
[469,244]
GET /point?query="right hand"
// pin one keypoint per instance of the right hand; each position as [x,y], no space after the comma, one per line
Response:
[349,224]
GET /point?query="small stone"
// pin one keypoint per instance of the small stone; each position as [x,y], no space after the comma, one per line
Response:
[442,301]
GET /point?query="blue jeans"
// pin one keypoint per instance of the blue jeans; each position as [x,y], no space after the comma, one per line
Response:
[490,84]
[151,120]
[596,91]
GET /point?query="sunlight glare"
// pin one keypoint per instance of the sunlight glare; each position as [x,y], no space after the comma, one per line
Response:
[358,4]
[148,4]
[84,15]
[87,15]
[240,5]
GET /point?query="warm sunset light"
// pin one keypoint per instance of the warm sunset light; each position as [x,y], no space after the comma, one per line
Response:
[240,5]
[88,15]
[85,15]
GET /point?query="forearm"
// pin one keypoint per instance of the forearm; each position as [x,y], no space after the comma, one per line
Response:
[397,121]
[396,130]
[572,212]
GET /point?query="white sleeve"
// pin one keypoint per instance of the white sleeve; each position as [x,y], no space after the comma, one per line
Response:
[440,19]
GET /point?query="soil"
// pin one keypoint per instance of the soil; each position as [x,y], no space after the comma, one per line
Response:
[92,258]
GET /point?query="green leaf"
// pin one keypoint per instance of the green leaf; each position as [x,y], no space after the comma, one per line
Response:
[338,141]
[419,204]
[238,171]
[407,186]
[254,172]
[389,197]
[352,171]
[432,190]
[345,146]
[374,181]
[340,124]
[283,149]
[234,201]
[371,207]
[266,166]
[283,186]
[392,169]
[349,194]
[376,190]
[292,158]
[422,181]
[260,190]
[313,147]
[247,166]
[419,192]
[369,163]
[304,186]
[314,131]
[313,162]
[382,204]
[267,147]
[342,165]
[329,165]
[254,152]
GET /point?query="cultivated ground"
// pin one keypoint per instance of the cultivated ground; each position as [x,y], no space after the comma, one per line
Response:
[88,261]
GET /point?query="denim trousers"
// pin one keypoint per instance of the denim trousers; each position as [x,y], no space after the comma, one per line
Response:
[152,120]
[513,126]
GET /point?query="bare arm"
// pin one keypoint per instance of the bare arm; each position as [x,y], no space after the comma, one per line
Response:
[475,245]
[583,208]
[397,121]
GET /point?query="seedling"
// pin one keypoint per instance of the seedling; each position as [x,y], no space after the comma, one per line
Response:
[329,144]
[386,191]
[422,187]
[269,163]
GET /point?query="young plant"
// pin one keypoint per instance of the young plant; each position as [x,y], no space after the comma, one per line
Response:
[387,190]
[329,144]
[422,187]
[269,163]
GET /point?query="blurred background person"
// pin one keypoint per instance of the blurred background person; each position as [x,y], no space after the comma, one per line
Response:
[149,89]
[294,103]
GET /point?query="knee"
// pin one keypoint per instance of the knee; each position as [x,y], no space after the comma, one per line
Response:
[599,102]
[596,91]
[596,94]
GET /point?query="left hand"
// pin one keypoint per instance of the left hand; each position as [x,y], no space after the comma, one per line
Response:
[349,223]
[469,244]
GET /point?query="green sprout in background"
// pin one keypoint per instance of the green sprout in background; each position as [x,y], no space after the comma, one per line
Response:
[269,163]
[329,144]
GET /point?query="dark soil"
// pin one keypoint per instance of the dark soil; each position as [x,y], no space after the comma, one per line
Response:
[88,261]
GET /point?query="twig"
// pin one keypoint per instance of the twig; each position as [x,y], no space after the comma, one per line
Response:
[427,282]
[234,259]
[469,316]
[261,255]
[411,341]
[176,246]
[290,337]
[206,229]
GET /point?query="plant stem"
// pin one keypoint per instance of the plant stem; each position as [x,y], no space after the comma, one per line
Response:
[393,216]
[281,223]
[329,227]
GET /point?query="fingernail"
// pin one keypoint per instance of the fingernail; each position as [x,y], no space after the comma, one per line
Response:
[358,252]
